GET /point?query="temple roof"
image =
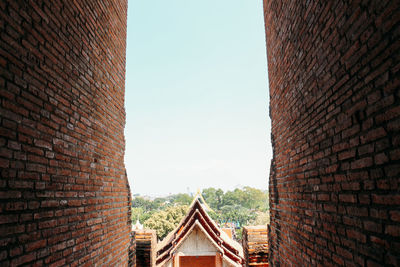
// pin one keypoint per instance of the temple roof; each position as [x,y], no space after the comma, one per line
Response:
[197,217]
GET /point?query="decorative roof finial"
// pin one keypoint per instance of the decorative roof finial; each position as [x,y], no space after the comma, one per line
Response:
[199,196]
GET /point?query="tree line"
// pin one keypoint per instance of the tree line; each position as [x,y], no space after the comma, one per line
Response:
[236,208]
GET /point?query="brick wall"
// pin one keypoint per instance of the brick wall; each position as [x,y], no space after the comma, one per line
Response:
[146,242]
[255,245]
[334,95]
[63,188]
[132,251]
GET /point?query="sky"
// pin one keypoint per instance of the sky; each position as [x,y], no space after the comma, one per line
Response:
[196,96]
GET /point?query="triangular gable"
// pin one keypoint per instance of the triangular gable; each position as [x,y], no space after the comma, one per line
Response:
[186,236]
[197,215]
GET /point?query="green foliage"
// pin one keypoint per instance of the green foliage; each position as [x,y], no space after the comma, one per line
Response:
[247,206]
[139,213]
[255,199]
[236,214]
[262,218]
[214,215]
[239,233]
[145,204]
[250,198]
[164,221]
[213,197]
[181,199]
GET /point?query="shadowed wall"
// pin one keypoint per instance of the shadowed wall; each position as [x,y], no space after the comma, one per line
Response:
[334,104]
[65,195]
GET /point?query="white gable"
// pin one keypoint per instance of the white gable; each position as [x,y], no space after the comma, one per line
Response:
[197,244]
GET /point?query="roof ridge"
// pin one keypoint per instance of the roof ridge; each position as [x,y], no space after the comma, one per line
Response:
[199,197]
[198,213]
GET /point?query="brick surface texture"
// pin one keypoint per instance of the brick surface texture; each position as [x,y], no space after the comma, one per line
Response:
[63,188]
[255,245]
[145,241]
[334,104]
[132,251]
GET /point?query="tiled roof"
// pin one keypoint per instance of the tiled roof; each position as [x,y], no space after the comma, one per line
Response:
[198,217]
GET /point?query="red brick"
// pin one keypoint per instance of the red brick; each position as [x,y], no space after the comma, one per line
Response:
[7,153]
[23,259]
[4,163]
[392,230]
[386,199]
[373,135]
[354,234]
[8,218]
[52,86]
[362,163]
[357,211]
[16,251]
[395,154]
[395,215]
[43,144]
[347,154]
[348,198]
[380,158]
[373,226]
[35,245]
[392,170]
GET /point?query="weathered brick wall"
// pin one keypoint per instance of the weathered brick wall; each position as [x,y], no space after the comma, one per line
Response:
[145,241]
[132,251]
[255,245]
[63,189]
[334,88]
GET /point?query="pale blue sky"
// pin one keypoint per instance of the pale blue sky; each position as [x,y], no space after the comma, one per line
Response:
[196,96]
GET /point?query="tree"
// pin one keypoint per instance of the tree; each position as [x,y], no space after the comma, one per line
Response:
[145,204]
[235,197]
[213,197]
[255,199]
[181,199]
[141,214]
[164,221]
[262,218]
[246,206]
[236,214]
